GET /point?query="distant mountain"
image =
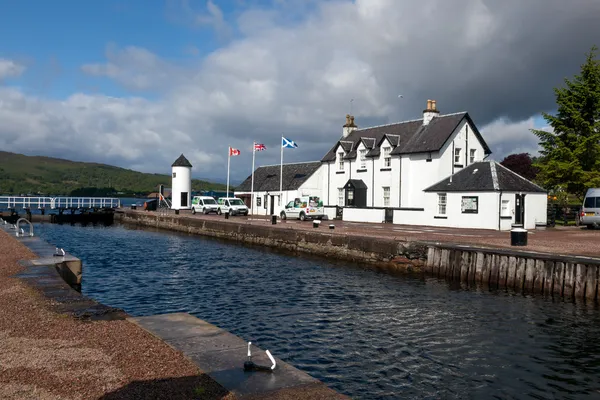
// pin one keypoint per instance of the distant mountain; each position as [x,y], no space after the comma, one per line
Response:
[20,174]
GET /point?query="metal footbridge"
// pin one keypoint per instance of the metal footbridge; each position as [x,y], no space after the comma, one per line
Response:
[54,203]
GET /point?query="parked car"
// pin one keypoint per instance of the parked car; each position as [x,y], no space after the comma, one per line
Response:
[204,204]
[231,205]
[590,213]
[303,207]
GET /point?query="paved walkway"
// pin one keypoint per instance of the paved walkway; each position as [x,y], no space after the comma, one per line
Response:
[560,240]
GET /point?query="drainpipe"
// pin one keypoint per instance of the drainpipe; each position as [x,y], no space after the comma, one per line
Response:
[500,210]
[452,158]
[400,182]
[328,180]
[467,145]
[373,183]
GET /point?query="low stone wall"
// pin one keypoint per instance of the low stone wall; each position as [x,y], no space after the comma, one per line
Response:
[405,256]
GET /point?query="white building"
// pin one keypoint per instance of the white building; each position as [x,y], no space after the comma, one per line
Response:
[484,195]
[392,173]
[181,187]
[299,179]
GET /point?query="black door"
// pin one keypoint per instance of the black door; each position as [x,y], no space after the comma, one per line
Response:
[184,199]
[520,209]
[272,205]
[389,215]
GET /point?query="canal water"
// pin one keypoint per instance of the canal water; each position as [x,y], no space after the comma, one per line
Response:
[368,334]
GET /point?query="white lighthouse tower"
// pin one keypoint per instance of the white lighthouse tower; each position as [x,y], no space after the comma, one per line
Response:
[181,186]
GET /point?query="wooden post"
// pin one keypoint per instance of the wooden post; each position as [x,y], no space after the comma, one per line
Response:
[580,275]
[479,267]
[472,267]
[529,276]
[538,281]
[430,257]
[558,279]
[569,286]
[512,272]
[520,274]
[464,269]
[445,259]
[487,266]
[591,284]
[548,277]
[437,261]
[503,272]
[495,268]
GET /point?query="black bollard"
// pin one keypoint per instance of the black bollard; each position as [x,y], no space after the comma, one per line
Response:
[43,210]
[274,219]
[227,215]
[332,226]
[176,212]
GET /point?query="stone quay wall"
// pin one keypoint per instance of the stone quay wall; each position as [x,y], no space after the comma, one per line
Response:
[558,276]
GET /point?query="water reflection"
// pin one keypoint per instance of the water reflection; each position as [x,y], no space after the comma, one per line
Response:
[365,333]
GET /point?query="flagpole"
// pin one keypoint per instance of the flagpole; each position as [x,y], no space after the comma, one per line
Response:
[252,185]
[281,175]
[228,162]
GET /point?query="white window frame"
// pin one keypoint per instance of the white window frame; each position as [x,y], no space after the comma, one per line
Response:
[387,157]
[363,158]
[341,197]
[386,196]
[505,208]
[341,161]
[472,153]
[457,155]
[442,206]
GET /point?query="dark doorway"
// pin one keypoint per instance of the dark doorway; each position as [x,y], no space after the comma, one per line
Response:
[356,193]
[272,204]
[520,209]
[184,199]
[389,215]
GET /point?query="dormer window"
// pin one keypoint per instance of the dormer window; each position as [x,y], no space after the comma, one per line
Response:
[363,159]
[387,157]
[341,161]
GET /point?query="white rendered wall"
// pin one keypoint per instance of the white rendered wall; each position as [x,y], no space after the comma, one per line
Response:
[536,209]
[182,182]
[376,215]
[485,218]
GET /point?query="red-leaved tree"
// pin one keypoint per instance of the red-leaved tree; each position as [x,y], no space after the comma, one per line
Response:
[521,164]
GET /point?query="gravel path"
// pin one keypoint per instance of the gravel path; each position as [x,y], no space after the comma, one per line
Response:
[44,355]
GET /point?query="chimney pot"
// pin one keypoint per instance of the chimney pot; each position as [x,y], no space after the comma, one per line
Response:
[433,106]
[429,102]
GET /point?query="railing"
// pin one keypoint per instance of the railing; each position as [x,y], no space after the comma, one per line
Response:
[8,202]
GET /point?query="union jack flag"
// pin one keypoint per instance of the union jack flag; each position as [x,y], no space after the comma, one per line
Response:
[259,147]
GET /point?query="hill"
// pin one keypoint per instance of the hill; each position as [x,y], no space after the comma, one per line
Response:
[20,174]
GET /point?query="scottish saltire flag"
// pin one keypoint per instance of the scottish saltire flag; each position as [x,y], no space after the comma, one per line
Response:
[288,144]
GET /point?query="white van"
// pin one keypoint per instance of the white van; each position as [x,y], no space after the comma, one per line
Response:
[231,205]
[302,208]
[590,213]
[204,204]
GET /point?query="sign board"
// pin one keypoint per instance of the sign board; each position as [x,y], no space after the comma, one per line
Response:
[470,204]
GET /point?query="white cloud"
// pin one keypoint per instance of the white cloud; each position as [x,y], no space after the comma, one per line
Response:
[497,60]
[10,69]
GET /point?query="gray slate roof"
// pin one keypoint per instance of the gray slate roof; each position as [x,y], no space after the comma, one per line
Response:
[181,162]
[486,176]
[406,137]
[267,178]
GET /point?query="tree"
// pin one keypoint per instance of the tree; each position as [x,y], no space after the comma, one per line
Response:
[521,164]
[570,154]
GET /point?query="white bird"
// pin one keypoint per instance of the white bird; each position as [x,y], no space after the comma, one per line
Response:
[400,96]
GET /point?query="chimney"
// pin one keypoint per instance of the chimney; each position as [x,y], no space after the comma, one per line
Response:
[349,126]
[430,112]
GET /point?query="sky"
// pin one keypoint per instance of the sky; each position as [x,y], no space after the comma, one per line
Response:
[135,83]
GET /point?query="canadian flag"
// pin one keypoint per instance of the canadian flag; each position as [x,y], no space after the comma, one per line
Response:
[234,152]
